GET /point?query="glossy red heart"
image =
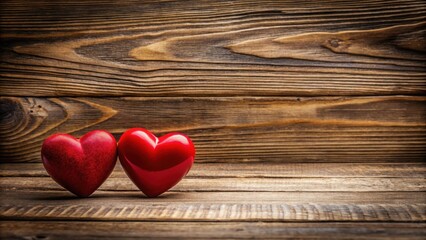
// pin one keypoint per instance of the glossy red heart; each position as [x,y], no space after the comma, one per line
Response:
[155,164]
[80,165]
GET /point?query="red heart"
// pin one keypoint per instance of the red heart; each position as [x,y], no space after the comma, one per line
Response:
[155,164]
[80,165]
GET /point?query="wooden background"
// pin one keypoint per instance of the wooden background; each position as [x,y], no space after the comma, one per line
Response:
[309,117]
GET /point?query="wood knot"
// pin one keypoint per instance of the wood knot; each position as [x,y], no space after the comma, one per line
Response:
[12,115]
[335,42]
[10,110]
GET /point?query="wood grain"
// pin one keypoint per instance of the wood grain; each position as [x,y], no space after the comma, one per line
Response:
[353,46]
[271,207]
[235,129]
[260,170]
[240,184]
[211,197]
[309,117]
[220,48]
[207,230]
[130,198]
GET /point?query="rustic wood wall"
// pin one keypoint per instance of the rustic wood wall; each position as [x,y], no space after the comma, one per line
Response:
[276,81]
[318,108]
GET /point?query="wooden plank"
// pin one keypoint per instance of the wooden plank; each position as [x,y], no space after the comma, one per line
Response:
[240,184]
[164,48]
[222,206]
[130,198]
[259,170]
[206,230]
[236,129]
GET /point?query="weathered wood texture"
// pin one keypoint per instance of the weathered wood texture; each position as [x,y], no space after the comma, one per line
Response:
[235,129]
[251,184]
[317,196]
[211,180]
[214,192]
[221,48]
[309,117]
[208,230]
[132,207]
[261,170]
[284,178]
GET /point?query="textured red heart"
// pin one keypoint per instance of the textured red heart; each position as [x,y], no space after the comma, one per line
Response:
[80,165]
[155,164]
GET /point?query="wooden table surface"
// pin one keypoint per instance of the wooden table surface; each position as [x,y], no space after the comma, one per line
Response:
[309,117]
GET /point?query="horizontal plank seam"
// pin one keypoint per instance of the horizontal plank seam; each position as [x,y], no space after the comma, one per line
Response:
[209,96]
[186,220]
[54,219]
[2,191]
[244,177]
[413,162]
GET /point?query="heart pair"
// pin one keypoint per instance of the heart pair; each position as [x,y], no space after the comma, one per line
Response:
[153,164]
